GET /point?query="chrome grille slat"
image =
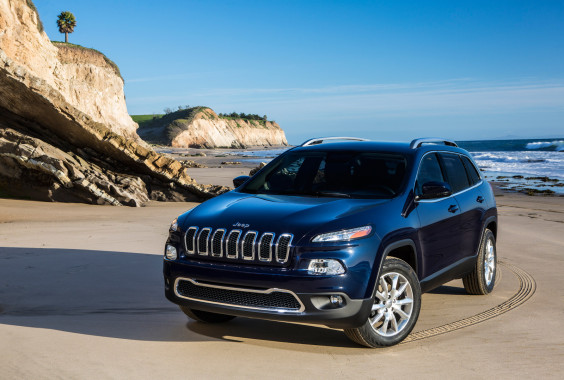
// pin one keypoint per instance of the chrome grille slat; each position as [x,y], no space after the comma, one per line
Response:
[265,247]
[283,248]
[249,246]
[232,244]
[203,241]
[217,242]
[190,240]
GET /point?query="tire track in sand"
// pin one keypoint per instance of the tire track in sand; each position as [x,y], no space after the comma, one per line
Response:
[527,287]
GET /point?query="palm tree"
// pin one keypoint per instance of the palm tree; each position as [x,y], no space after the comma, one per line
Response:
[66,23]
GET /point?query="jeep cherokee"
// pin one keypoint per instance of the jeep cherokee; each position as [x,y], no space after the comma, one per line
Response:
[342,232]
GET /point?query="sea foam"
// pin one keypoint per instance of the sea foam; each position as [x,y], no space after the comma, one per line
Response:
[557,144]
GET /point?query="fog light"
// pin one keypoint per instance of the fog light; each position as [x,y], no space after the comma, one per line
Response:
[336,300]
[325,267]
[170,252]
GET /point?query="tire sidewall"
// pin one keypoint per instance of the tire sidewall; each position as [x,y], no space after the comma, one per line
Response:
[488,235]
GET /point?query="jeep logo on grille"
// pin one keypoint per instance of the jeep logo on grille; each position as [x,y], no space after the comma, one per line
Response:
[241,225]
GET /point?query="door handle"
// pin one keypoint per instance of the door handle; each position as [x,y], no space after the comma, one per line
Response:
[480,199]
[453,208]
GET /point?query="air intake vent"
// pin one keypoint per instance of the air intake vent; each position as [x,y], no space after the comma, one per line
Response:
[267,299]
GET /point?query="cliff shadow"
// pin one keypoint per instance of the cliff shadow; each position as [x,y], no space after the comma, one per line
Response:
[120,295]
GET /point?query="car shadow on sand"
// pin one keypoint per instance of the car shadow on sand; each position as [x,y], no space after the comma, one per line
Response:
[120,295]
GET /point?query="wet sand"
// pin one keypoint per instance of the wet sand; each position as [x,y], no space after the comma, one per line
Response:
[81,296]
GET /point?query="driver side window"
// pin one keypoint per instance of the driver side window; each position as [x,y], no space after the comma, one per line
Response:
[429,171]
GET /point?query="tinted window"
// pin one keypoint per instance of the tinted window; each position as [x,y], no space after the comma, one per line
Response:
[471,171]
[354,174]
[455,172]
[429,171]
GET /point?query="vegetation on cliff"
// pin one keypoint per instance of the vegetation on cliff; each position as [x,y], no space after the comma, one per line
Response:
[39,23]
[202,127]
[66,23]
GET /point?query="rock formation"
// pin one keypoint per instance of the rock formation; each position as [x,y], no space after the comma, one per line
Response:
[65,134]
[201,127]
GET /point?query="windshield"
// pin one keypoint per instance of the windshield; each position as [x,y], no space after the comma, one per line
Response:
[332,174]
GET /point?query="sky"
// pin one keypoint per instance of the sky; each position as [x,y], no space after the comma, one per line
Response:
[387,70]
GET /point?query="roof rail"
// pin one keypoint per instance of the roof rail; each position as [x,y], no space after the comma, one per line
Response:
[320,140]
[430,140]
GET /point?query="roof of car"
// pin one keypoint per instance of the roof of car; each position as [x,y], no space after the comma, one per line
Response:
[375,146]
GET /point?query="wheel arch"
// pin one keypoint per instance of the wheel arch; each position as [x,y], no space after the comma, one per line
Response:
[491,224]
[405,250]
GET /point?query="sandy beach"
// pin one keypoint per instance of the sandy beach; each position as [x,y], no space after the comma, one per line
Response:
[81,296]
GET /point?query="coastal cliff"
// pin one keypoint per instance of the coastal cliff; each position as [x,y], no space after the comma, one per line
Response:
[201,127]
[65,134]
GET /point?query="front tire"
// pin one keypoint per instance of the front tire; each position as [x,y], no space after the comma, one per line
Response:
[397,302]
[205,316]
[482,279]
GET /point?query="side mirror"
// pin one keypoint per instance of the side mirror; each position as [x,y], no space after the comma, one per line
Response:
[434,190]
[238,181]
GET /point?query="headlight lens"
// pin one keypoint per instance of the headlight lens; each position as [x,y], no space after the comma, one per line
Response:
[325,267]
[344,235]
[174,225]
[170,252]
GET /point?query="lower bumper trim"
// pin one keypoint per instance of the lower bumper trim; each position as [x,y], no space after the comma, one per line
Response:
[272,300]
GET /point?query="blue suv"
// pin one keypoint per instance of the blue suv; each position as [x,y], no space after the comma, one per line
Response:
[342,232]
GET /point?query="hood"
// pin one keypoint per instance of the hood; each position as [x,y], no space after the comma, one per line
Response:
[280,213]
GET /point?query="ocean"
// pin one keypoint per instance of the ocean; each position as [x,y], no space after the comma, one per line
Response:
[517,164]
[532,157]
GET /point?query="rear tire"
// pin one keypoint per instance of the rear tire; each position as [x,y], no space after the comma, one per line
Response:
[397,302]
[481,280]
[205,316]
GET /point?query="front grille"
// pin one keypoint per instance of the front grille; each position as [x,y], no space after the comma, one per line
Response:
[250,247]
[246,298]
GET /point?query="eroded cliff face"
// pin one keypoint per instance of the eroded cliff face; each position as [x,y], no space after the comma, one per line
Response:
[52,148]
[201,127]
[82,76]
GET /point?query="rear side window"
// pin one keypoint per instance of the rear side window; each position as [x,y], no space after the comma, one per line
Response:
[455,172]
[471,170]
[429,171]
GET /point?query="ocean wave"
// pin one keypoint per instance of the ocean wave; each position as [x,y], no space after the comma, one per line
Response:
[537,163]
[557,144]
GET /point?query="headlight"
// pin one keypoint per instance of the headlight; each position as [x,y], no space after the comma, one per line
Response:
[344,235]
[174,225]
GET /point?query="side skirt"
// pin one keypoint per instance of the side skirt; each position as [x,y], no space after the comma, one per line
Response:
[456,270]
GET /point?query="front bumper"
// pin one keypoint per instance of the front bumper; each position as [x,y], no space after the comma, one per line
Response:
[312,294]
